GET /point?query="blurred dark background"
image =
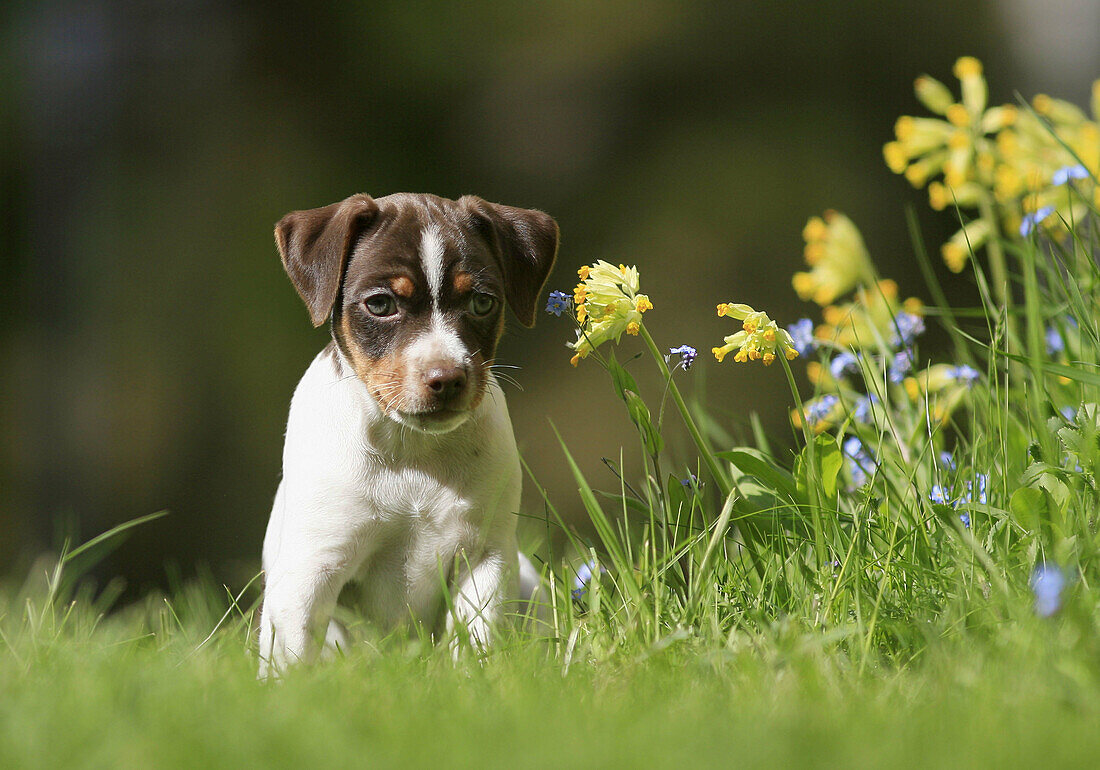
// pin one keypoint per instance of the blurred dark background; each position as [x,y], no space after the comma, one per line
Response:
[149,340]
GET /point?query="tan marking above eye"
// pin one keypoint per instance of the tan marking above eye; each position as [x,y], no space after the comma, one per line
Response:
[463,282]
[402,287]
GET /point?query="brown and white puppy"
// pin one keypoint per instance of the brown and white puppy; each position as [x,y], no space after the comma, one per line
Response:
[399,464]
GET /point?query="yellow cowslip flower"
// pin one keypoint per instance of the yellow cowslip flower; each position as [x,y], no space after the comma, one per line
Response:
[607,304]
[760,339]
[957,145]
[869,318]
[943,387]
[835,251]
[965,242]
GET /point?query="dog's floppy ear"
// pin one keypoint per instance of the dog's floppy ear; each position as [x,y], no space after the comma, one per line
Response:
[315,245]
[526,244]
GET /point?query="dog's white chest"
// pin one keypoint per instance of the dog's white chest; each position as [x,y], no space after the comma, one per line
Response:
[397,512]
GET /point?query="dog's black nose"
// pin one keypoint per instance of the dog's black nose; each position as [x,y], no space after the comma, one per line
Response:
[446,384]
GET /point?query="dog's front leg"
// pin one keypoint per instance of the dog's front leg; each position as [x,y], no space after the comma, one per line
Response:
[298,600]
[480,589]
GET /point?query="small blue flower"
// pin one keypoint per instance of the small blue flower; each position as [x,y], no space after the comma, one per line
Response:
[584,577]
[691,481]
[842,363]
[802,333]
[907,327]
[1047,583]
[939,495]
[947,461]
[862,409]
[966,374]
[818,411]
[1069,413]
[1055,343]
[965,519]
[1030,221]
[900,366]
[860,461]
[981,480]
[558,303]
[687,355]
[1066,173]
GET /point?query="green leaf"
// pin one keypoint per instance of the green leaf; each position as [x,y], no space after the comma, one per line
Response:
[1025,505]
[640,416]
[621,378]
[830,459]
[756,463]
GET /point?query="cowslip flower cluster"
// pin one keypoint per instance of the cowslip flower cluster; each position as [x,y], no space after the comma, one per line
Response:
[1016,158]
[760,338]
[607,303]
[837,257]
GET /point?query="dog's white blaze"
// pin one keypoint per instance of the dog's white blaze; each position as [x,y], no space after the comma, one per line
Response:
[431,258]
[440,344]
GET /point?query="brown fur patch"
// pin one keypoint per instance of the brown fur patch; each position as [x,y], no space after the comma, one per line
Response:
[384,377]
[463,282]
[402,287]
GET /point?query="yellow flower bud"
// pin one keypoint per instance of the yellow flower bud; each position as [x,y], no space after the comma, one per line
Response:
[632,328]
[814,230]
[583,272]
[957,115]
[967,67]
[769,358]
[954,256]
[895,156]
[939,197]
[719,353]
[933,94]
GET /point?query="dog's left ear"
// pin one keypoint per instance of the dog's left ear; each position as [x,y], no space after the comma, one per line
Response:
[525,242]
[315,246]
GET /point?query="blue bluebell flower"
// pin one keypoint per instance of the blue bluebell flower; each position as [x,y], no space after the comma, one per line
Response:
[802,333]
[818,411]
[1066,173]
[842,363]
[691,481]
[965,373]
[687,355]
[965,519]
[558,303]
[584,577]
[900,366]
[907,327]
[947,461]
[861,411]
[1047,583]
[1030,221]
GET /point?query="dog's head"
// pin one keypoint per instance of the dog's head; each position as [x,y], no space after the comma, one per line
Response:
[416,286]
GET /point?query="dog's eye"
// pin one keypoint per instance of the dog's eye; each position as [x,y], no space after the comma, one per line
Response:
[482,304]
[380,305]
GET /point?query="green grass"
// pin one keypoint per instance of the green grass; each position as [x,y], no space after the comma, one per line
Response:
[103,698]
[787,607]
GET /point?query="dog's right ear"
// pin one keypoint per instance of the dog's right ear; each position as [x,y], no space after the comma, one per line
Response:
[315,246]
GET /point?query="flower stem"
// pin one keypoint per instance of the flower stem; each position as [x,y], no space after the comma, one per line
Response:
[709,459]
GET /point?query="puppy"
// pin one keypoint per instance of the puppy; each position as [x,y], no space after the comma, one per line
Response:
[400,470]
